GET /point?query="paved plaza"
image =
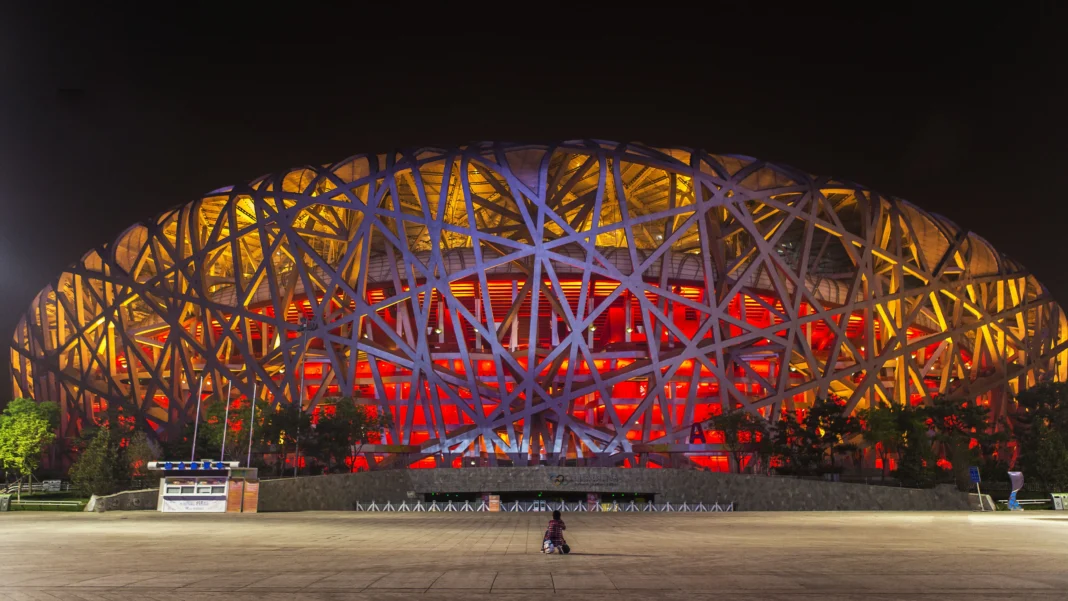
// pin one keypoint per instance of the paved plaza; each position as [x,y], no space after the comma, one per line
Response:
[377,556]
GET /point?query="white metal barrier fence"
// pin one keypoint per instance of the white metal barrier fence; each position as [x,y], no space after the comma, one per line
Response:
[34,487]
[538,506]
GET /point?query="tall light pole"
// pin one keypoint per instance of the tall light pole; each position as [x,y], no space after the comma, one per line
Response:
[251,424]
[196,422]
[226,420]
[303,328]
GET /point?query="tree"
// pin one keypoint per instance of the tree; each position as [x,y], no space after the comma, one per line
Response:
[209,432]
[883,431]
[764,450]
[97,470]
[139,451]
[236,427]
[26,428]
[831,427]
[344,427]
[1041,413]
[963,429]
[916,465]
[181,448]
[796,447]
[282,425]
[1046,401]
[824,431]
[1050,458]
[741,431]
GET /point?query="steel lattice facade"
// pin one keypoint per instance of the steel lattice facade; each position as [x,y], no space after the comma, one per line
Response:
[521,303]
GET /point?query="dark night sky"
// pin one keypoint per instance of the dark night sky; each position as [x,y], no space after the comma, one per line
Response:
[107,119]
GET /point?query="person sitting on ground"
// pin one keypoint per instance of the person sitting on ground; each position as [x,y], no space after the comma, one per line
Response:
[554,536]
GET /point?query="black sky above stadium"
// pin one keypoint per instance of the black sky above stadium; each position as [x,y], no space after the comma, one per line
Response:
[110,118]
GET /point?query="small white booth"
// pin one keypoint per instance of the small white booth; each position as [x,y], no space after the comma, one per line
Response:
[203,487]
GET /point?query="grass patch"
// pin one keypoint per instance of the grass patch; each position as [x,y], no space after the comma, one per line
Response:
[49,501]
[46,506]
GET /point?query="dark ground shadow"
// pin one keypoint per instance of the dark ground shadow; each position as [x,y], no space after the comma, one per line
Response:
[608,554]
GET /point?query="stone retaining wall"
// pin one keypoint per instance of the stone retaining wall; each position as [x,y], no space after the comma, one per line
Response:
[127,500]
[341,492]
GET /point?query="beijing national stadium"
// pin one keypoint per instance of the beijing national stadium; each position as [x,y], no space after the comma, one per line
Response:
[584,303]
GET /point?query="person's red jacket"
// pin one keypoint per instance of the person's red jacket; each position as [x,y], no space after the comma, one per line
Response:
[556,531]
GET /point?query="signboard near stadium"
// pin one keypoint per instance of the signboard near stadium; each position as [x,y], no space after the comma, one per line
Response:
[193,505]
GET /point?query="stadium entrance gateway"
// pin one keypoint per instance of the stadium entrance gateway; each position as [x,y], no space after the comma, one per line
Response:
[206,487]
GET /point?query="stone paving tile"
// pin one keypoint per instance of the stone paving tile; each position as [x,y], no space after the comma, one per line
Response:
[128,595]
[116,580]
[35,596]
[1054,579]
[828,555]
[225,582]
[137,593]
[577,581]
[922,583]
[171,580]
[664,582]
[502,595]
[506,581]
[346,581]
[16,578]
[408,579]
[60,579]
[465,579]
[295,580]
[749,582]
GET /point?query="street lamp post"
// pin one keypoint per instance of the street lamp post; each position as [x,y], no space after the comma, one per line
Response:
[196,422]
[251,425]
[226,420]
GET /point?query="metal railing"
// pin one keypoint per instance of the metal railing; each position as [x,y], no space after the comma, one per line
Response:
[544,506]
[47,503]
[1026,501]
[35,487]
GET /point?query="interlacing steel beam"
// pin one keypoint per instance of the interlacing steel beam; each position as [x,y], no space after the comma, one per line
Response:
[588,301]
